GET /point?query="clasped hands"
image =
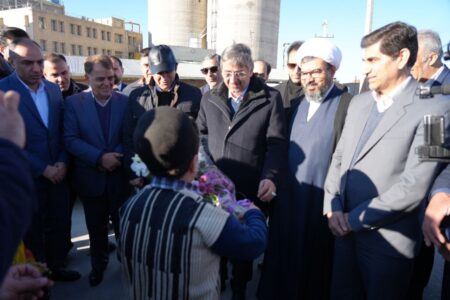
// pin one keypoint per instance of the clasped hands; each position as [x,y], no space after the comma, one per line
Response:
[338,223]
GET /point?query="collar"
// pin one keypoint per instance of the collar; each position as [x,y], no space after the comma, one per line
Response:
[101,103]
[40,88]
[241,96]
[385,101]
[173,184]
[435,76]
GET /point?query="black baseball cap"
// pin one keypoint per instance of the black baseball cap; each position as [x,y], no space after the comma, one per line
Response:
[161,59]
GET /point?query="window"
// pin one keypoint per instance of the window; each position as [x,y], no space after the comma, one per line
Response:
[119,53]
[53,24]
[103,35]
[27,21]
[41,22]
[2,23]
[94,33]
[130,41]
[89,51]
[74,49]
[72,28]
[79,29]
[44,45]
[95,51]
[55,47]
[108,36]
[88,31]
[80,50]
[63,48]
[108,52]
[118,38]
[61,26]
[103,51]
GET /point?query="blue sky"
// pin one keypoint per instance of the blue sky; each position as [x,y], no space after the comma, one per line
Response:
[300,20]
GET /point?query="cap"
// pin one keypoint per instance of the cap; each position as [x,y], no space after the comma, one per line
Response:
[161,59]
[166,140]
[320,48]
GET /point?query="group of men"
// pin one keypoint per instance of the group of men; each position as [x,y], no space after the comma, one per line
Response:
[338,177]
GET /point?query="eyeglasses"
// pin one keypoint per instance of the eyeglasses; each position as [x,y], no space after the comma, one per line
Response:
[211,69]
[238,74]
[260,75]
[316,73]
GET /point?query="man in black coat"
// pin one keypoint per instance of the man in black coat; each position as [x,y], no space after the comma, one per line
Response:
[242,125]
[165,88]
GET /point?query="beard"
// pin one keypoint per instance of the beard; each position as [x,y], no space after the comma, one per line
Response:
[318,95]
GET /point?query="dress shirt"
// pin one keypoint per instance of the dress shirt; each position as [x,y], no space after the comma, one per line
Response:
[40,99]
[386,101]
[236,101]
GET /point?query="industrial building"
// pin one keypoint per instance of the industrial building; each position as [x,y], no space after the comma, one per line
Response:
[47,24]
[216,24]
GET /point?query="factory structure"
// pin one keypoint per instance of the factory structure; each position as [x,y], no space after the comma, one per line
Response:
[216,24]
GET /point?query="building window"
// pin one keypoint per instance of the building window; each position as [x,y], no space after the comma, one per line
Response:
[80,50]
[108,52]
[103,36]
[72,28]
[118,38]
[108,36]
[61,26]
[94,33]
[27,21]
[95,51]
[53,24]
[79,29]
[74,49]
[63,48]
[2,23]
[88,32]
[41,22]
[89,51]
[55,47]
[119,53]
[44,45]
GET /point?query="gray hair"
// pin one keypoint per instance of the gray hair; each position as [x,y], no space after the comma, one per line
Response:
[214,56]
[239,54]
[431,43]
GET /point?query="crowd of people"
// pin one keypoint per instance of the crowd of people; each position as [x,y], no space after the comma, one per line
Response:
[352,212]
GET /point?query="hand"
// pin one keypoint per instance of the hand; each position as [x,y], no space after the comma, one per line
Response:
[266,190]
[110,161]
[50,173]
[338,223]
[23,282]
[12,127]
[137,182]
[61,171]
[444,250]
[437,209]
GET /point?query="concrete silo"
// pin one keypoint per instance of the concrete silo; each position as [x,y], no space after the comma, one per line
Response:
[177,22]
[253,22]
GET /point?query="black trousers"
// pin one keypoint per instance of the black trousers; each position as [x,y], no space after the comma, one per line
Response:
[50,227]
[423,265]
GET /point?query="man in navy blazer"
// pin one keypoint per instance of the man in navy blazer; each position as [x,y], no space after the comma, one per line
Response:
[41,109]
[430,72]
[92,134]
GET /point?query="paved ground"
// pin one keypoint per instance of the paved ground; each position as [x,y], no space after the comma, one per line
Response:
[112,287]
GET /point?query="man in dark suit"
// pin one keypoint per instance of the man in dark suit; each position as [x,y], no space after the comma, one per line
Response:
[41,109]
[430,72]
[376,184]
[118,73]
[93,135]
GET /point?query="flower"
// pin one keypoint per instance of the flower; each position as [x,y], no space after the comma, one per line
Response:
[138,167]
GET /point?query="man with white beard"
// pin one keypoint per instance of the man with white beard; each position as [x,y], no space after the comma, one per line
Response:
[316,124]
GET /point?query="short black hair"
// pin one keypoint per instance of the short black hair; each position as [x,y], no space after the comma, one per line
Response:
[394,37]
[294,46]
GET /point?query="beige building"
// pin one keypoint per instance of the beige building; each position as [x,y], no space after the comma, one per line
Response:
[46,23]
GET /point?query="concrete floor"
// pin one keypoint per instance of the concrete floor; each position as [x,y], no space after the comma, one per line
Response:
[112,287]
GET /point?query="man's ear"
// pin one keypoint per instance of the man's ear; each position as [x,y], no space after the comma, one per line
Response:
[403,57]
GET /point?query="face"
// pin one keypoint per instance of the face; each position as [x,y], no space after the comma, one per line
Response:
[382,71]
[101,81]
[316,79]
[164,80]
[260,70]
[145,69]
[57,72]
[118,71]
[28,63]
[236,77]
[212,69]
[423,69]
[293,69]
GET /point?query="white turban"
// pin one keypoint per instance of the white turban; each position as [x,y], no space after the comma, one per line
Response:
[320,48]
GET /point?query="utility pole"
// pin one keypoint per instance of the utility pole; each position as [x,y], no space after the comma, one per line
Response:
[369,17]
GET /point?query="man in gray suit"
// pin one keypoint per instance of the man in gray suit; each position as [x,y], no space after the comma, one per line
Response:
[376,184]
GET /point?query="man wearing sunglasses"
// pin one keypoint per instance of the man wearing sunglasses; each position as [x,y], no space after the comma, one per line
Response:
[261,69]
[292,88]
[211,71]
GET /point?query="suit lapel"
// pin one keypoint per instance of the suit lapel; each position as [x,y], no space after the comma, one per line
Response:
[26,99]
[115,114]
[90,112]
[391,117]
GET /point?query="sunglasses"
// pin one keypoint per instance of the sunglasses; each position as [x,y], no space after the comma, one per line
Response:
[292,66]
[212,69]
